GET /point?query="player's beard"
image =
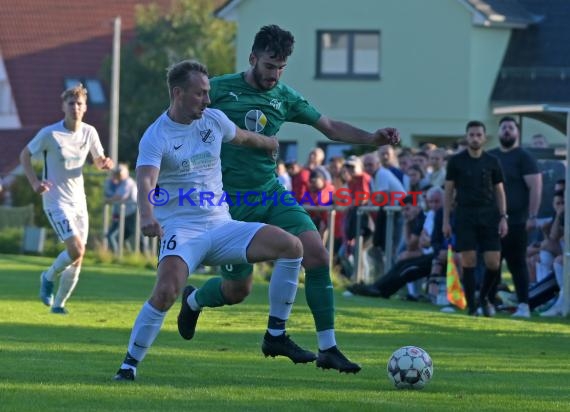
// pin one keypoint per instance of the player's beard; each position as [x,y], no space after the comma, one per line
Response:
[260,81]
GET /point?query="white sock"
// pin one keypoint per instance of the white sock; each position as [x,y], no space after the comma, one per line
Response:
[326,339]
[192,301]
[283,289]
[59,264]
[146,328]
[67,282]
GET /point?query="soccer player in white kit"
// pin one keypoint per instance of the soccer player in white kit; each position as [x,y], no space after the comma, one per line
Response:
[64,147]
[181,200]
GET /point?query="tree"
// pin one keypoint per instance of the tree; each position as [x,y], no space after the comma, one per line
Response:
[188,30]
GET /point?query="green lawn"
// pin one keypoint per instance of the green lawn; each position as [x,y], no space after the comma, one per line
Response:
[53,362]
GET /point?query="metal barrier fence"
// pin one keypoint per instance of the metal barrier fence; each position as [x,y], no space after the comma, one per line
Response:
[121,234]
[358,255]
[332,214]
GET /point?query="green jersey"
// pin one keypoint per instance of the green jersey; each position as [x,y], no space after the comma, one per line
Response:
[245,168]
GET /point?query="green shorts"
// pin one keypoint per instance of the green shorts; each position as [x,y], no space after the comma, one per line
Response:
[276,207]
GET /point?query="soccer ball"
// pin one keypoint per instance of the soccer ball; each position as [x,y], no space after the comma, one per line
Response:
[410,367]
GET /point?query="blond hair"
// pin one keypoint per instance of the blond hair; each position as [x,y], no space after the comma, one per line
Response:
[76,91]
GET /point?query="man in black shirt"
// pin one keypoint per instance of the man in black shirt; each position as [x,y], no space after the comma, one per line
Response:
[480,215]
[523,188]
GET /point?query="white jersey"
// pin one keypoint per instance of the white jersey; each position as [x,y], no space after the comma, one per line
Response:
[64,153]
[189,186]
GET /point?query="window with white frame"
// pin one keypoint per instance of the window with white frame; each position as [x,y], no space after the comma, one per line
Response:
[351,54]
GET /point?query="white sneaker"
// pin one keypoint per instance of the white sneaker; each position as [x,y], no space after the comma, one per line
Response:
[555,310]
[522,311]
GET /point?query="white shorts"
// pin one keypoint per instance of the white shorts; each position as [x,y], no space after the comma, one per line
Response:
[221,244]
[69,222]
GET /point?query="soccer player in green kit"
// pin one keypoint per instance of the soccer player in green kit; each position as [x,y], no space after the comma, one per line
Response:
[257,101]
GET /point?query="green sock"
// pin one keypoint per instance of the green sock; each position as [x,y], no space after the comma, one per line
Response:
[320,297]
[210,294]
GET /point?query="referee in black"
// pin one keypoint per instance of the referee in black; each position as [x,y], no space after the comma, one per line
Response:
[474,183]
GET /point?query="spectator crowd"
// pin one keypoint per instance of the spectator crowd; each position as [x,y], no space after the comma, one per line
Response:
[531,246]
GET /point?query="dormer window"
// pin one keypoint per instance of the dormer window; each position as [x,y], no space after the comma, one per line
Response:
[95,93]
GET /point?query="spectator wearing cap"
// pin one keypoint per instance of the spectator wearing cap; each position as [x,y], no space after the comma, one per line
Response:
[300,175]
[358,180]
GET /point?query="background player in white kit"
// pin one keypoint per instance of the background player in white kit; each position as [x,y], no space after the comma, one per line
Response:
[179,159]
[64,147]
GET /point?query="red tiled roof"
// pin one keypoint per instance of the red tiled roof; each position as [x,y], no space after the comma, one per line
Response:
[13,141]
[44,42]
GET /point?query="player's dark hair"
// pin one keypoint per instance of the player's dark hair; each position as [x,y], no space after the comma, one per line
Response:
[475,123]
[178,74]
[274,40]
[509,119]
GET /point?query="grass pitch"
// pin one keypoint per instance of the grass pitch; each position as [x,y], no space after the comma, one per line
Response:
[55,363]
